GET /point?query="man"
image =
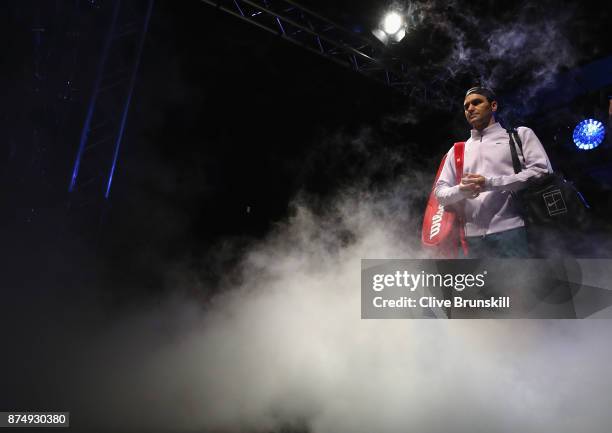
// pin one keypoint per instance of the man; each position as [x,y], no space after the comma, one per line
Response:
[493,224]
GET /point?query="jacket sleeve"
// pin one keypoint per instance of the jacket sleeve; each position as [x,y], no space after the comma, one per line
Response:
[446,189]
[534,163]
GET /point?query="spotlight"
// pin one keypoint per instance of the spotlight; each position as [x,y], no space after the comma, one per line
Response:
[392,28]
[589,134]
[392,23]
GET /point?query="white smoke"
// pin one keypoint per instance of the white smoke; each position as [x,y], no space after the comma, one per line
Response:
[284,347]
[528,43]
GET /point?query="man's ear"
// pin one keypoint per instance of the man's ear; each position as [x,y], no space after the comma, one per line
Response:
[494,106]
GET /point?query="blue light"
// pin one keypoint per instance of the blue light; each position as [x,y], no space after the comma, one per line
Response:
[589,134]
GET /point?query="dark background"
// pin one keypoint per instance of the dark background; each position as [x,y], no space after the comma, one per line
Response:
[229,123]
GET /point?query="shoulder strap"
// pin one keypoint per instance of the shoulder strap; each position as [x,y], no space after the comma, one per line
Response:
[519,142]
[459,151]
[514,138]
[517,139]
[459,148]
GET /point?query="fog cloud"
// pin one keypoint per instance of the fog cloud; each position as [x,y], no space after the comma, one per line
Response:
[283,346]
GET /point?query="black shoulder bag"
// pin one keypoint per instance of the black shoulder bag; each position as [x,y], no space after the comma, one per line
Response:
[549,201]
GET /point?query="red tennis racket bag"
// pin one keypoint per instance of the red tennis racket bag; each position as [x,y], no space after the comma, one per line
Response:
[443,230]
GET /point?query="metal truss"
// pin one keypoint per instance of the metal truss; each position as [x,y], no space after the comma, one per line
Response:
[309,30]
[102,133]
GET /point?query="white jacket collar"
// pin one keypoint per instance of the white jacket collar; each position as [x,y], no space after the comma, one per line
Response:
[491,129]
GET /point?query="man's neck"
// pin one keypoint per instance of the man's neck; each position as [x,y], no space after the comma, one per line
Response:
[491,122]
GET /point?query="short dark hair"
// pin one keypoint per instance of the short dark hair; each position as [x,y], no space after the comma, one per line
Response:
[484,91]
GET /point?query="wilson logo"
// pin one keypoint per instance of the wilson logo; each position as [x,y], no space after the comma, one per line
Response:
[436,222]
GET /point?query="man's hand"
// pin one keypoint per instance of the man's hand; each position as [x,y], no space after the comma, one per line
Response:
[472,184]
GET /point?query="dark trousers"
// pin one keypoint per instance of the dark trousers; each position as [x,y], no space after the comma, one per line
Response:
[509,243]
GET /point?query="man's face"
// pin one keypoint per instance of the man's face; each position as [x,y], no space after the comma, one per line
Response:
[478,110]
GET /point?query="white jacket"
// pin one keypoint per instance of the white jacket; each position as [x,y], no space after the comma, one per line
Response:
[487,153]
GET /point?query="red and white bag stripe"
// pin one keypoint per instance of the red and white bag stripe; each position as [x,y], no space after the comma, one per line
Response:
[443,231]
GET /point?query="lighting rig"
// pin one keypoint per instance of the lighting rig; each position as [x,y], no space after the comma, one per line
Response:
[303,27]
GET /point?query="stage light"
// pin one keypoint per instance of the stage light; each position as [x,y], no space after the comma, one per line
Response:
[392,28]
[392,23]
[589,134]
